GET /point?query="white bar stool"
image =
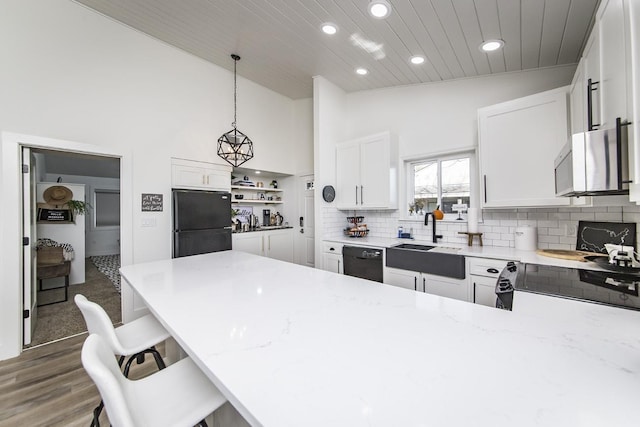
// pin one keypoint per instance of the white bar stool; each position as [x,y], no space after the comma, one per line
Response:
[180,395]
[134,339]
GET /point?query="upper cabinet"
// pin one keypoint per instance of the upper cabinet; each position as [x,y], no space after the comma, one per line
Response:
[613,63]
[518,141]
[194,175]
[367,173]
[633,101]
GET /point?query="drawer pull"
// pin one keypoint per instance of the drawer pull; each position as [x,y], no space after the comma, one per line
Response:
[492,270]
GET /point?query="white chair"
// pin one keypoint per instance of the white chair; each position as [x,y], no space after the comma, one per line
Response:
[180,395]
[134,339]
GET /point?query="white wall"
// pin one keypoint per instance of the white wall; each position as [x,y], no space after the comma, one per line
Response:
[71,74]
[329,123]
[99,240]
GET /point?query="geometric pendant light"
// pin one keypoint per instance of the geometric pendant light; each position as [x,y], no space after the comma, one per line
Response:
[234,146]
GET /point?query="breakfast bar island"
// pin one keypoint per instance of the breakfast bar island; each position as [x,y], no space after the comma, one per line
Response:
[293,346]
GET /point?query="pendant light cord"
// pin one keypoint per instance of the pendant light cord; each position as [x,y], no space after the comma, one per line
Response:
[235,90]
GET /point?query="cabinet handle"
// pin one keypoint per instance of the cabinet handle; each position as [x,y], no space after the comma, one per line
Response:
[203,182]
[356,194]
[591,86]
[485,187]
[492,270]
[269,243]
[361,198]
[424,284]
[415,283]
[474,292]
[619,125]
[338,266]
[262,245]
[207,179]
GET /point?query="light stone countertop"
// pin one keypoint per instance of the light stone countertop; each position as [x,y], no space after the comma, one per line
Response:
[295,346]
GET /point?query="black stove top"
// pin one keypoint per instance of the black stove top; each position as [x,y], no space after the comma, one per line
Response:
[603,287]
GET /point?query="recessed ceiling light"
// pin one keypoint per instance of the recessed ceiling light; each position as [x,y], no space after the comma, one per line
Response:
[417,59]
[329,28]
[379,9]
[258,172]
[491,45]
[362,71]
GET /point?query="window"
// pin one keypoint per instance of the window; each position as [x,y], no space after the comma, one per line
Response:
[440,181]
[107,208]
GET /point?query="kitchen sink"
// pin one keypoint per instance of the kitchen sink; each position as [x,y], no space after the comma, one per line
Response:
[414,247]
[407,256]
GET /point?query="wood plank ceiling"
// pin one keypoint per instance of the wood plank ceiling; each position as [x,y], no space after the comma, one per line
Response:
[282,46]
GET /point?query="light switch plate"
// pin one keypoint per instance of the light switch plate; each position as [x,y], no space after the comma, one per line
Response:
[149,222]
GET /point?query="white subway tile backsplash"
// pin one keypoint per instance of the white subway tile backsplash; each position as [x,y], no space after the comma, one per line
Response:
[556,226]
[583,216]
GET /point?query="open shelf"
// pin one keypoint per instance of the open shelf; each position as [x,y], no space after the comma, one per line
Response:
[257,189]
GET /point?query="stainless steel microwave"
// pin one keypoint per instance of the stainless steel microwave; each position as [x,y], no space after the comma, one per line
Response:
[594,163]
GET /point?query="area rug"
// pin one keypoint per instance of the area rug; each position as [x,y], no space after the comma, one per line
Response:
[109,265]
[64,319]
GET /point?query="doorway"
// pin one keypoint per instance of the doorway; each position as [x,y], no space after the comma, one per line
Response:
[73,212]
[305,240]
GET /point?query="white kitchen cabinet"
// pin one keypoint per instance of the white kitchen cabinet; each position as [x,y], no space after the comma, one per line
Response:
[367,173]
[248,242]
[518,141]
[591,82]
[613,62]
[633,102]
[277,244]
[578,99]
[483,274]
[428,283]
[332,257]
[194,175]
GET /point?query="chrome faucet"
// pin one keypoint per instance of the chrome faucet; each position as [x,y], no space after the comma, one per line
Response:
[433,227]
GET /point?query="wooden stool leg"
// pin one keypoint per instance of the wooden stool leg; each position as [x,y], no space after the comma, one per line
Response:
[480,237]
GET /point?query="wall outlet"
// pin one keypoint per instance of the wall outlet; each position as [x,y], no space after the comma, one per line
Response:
[570,230]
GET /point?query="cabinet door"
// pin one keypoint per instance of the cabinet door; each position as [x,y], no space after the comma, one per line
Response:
[578,100]
[484,290]
[348,176]
[403,279]
[518,142]
[279,245]
[248,242]
[613,68]
[374,173]
[591,58]
[634,101]
[217,179]
[447,287]
[188,177]
[332,262]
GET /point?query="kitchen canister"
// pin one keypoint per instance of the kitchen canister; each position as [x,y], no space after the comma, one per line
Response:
[472,220]
[526,238]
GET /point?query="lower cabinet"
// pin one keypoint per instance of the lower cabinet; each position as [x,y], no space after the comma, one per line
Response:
[483,274]
[332,257]
[277,244]
[428,283]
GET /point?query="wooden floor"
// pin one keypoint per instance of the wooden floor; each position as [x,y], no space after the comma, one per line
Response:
[47,386]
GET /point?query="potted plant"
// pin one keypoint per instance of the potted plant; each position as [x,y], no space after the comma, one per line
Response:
[78,207]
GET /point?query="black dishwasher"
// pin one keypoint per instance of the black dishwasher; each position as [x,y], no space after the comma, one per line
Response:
[365,263]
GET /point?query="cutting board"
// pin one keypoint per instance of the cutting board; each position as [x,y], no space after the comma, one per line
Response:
[565,254]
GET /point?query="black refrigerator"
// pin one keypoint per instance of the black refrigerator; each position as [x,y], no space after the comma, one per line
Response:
[201,222]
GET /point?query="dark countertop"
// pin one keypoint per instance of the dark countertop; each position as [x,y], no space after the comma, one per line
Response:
[267,228]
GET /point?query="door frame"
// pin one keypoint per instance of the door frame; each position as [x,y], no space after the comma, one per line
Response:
[11,275]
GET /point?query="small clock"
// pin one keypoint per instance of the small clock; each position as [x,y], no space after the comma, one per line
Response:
[328,193]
